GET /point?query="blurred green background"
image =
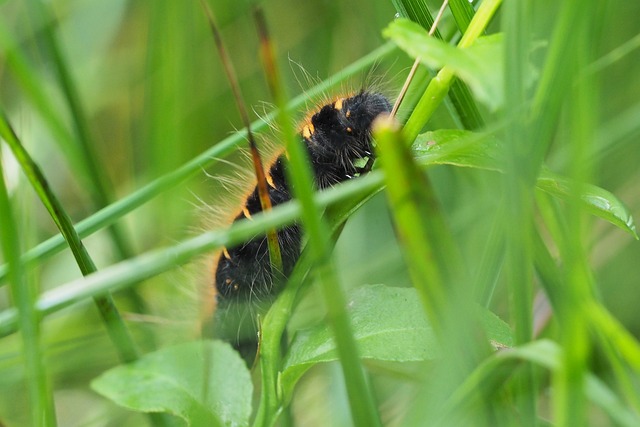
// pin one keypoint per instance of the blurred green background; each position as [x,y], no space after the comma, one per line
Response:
[154,96]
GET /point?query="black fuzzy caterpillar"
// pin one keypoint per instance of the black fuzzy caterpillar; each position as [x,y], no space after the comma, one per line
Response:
[336,136]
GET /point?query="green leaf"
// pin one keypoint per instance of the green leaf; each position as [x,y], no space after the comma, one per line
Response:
[480,65]
[598,201]
[203,383]
[458,148]
[389,324]
[478,150]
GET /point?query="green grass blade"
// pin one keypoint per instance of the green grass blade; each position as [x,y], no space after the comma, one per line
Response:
[412,205]
[28,319]
[300,176]
[462,12]
[106,306]
[275,321]
[519,193]
[49,200]
[491,263]
[621,348]
[435,267]
[555,78]
[127,273]
[569,400]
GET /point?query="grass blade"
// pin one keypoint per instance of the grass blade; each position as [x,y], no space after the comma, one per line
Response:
[105,304]
[519,196]
[28,319]
[299,172]
[127,273]
[435,267]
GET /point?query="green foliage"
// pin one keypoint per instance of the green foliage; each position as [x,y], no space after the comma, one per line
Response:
[204,383]
[518,153]
[476,150]
[479,65]
[389,324]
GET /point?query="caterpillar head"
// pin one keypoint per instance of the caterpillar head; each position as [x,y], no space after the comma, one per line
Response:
[340,133]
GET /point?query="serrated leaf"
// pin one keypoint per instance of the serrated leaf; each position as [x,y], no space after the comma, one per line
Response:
[478,150]
[389,324]
[480,65]
[173,380]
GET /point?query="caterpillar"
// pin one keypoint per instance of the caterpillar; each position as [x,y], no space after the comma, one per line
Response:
[336,136]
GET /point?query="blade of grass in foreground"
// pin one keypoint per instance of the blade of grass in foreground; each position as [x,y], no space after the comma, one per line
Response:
[127,273]
[40,396]
[34,88]
[436,271]
[569,400]
[276,319]
[620,347]
[299,172]
[518,198]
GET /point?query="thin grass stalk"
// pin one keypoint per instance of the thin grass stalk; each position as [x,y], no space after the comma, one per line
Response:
[408,199]
[276,319]
[611,336]
[361,400]
[275,257]
[28,319]
[496,370]
[91,167]
[620,347]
